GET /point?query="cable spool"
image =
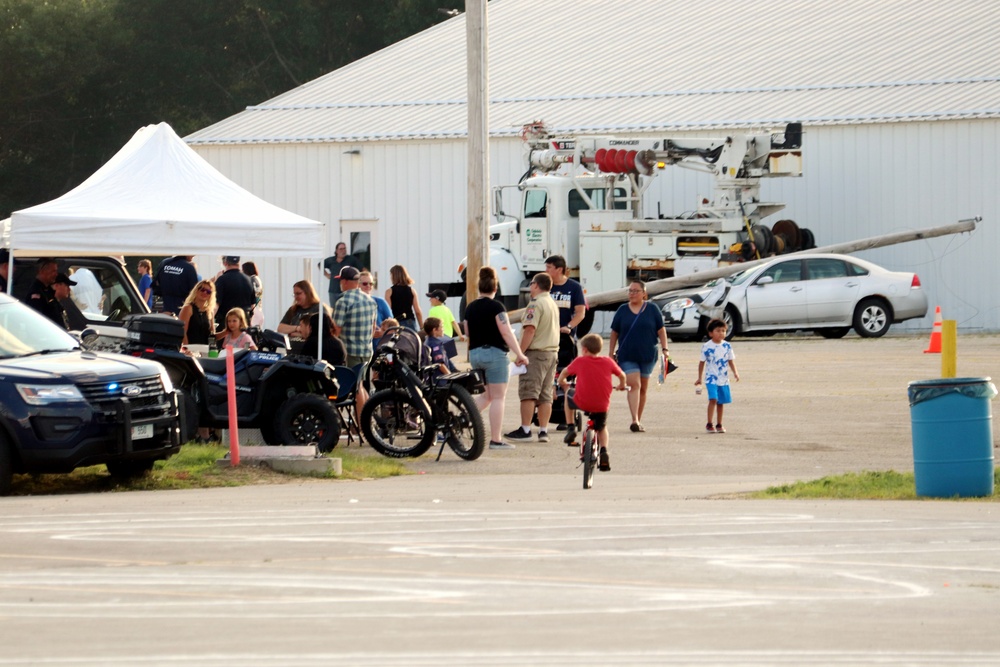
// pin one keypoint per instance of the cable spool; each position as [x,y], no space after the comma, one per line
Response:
[779,244]
[789,231]
[763,238]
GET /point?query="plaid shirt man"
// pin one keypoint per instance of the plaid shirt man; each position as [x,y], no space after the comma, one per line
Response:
[354,313]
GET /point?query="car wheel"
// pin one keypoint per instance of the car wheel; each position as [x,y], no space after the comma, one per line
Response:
[733,322]
[307,419]
[833,332]
[872,318]
[124,471]
[6,466]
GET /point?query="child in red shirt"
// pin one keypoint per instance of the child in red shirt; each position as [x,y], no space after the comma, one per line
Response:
[593,389]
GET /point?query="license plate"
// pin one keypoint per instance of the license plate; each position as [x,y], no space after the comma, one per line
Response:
[142,431]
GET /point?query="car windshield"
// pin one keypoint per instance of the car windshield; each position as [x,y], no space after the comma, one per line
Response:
[24,331]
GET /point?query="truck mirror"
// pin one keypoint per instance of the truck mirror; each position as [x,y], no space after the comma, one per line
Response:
[498,204]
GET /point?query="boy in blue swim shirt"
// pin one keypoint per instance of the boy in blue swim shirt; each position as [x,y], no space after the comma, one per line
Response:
[716,361]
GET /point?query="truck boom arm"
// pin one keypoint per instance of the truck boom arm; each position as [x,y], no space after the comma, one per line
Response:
[735,156]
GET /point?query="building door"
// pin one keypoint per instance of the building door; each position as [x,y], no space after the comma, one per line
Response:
[361,237]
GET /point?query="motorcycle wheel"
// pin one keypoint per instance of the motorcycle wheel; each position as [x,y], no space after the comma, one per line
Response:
[393,427]
[305,419]
[464,428]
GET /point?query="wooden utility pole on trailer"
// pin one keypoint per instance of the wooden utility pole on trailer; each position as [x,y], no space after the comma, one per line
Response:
[617,296]
[478,136]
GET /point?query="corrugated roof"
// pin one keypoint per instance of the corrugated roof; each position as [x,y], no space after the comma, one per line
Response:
[649,65]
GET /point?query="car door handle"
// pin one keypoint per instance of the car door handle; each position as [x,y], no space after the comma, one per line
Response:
[851,285]
[794,289]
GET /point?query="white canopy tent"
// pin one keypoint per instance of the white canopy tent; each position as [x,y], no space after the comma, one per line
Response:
[157,196]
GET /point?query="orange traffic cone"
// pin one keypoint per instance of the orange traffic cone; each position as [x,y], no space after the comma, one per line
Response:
[934,347]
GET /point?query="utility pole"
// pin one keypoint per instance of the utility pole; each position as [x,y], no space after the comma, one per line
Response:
[478,205]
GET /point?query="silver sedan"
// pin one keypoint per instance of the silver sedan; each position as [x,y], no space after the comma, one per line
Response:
[826,293]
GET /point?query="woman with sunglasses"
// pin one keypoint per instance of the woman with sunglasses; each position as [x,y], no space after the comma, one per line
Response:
[198,315]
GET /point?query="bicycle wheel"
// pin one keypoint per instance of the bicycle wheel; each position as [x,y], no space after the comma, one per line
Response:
[393,426]
[589,458]
[464,428]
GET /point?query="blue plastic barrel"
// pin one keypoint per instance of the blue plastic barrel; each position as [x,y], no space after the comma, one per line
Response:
[952,436]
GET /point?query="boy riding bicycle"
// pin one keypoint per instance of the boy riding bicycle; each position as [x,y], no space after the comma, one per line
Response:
[593,390]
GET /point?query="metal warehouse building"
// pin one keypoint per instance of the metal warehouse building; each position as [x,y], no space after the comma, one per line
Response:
[899,99]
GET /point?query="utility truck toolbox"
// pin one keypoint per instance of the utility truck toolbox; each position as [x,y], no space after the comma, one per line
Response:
[155,330]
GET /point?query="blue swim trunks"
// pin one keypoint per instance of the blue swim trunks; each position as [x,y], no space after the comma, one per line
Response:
[719,393]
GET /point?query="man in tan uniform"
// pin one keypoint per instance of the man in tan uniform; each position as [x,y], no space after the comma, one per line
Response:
[540,342]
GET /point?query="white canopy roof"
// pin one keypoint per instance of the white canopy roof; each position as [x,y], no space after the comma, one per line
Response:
[156,196]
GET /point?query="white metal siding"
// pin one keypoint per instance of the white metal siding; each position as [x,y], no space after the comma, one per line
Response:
[860,181]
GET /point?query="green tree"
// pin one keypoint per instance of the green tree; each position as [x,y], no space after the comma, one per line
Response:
[53,117]
[79,77]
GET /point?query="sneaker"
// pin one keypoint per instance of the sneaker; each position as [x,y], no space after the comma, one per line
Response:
[719,428]
[570,438]
[518,434]
[604,463]
[543,436]
[709,428]
[501,445]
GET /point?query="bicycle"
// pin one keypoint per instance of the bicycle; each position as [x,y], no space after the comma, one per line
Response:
[589,446]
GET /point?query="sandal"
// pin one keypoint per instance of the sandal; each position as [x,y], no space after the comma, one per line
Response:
[719,428]
[636,427]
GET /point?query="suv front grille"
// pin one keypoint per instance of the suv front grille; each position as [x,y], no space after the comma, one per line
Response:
[150,402]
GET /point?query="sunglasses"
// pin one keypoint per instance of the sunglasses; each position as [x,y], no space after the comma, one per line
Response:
[366,284]
[205,290]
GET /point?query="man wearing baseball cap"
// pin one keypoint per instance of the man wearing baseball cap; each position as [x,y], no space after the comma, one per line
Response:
[443,313]
[54,308]
[354,317]
[233,289]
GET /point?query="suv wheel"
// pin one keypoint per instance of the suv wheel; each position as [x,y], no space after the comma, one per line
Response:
[307,419]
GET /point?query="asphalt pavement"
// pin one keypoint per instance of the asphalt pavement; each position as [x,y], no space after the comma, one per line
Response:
[508,561]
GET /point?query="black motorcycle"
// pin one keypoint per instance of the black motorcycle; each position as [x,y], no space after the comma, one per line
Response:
[288,398]
[414,402]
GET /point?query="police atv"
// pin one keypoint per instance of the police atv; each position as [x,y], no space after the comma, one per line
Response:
[287,397]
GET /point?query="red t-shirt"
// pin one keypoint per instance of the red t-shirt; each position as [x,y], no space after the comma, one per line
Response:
[593,382]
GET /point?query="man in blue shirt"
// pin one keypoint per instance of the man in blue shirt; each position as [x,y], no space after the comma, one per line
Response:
[569,297]
[367,284]
[175,278]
